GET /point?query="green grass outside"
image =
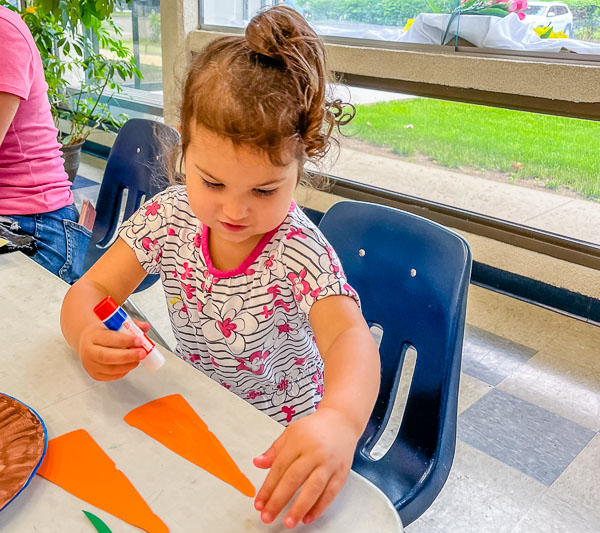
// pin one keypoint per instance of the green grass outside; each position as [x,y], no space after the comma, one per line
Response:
[560,152]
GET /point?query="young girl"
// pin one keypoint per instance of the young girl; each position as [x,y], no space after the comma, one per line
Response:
[257,298]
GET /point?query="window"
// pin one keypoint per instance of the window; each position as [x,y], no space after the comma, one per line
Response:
[140,25]
[517,25]
[531,169]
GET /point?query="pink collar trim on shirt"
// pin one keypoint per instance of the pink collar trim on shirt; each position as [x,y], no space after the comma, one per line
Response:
[247,262]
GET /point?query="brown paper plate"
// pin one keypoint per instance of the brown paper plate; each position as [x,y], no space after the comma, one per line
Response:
[23,442]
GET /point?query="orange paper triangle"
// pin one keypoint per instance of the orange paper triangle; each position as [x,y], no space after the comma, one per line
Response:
[172,421]
[75,462]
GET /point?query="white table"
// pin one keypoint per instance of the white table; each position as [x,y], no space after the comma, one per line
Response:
[39,368]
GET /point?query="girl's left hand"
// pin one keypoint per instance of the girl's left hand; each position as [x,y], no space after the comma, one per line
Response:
[315,451]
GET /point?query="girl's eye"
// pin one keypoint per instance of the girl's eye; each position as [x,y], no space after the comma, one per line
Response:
[211,184]
[265,192]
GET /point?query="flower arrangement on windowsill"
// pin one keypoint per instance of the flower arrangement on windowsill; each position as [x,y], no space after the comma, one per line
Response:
[547,32]
[493,8]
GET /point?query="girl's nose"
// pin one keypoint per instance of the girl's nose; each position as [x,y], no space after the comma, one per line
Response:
[234,210]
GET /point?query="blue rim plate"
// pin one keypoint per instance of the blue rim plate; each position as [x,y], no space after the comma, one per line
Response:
[22,485]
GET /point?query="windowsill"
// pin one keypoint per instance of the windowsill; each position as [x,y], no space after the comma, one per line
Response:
[444,66]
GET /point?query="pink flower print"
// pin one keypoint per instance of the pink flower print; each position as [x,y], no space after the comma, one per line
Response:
[179,311]
[197,240]
[254,394]
[249,271]
[299,286]
[295,232]
[199,306]
[286,387]
[153,247]
[189,290]
[153,208]
[318,379]
[349,289]
[265,312]
[193,357]
[175,274]
[335,268]
[226,385]
[284,328]
[229,324]
[226,327]
[170,231]
[281,303]
[274,291]
[316,292]
[209,281]
[256,362]
[271,270]
[300,360]
[212,360]
[289,412]
[187,271]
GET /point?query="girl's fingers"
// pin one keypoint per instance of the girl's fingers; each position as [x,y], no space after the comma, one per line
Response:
[313,489]
[289,483]
[334,486]
[112,377]
[109,358]
[115,339]
[266,459]
[283,459]
[144,326]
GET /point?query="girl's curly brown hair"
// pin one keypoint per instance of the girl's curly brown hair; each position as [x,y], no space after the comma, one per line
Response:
[264,90]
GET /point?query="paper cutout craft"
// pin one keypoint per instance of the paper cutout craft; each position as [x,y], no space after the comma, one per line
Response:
[98,523]
[75,462]
[172,422]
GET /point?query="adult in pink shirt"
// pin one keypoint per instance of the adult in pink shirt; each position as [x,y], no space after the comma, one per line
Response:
[35,192]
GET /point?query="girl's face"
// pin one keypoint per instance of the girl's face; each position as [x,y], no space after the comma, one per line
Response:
[238,193]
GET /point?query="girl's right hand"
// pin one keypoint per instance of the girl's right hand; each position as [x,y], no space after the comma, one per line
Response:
[109,355]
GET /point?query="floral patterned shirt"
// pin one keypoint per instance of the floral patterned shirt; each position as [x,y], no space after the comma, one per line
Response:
[246,328]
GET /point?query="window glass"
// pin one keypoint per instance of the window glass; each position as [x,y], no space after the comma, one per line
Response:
[140,26]
[522,25]
[536,170]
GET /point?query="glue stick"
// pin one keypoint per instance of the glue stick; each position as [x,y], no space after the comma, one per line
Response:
[115,318]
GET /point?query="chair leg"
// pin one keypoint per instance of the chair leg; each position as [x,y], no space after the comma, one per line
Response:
[134,312]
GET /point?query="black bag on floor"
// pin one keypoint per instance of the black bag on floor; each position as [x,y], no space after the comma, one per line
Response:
[18,241]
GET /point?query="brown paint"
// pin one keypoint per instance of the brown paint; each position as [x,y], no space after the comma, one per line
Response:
[21,446]
[172,421]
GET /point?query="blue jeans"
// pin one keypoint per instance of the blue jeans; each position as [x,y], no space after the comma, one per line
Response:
[62,242]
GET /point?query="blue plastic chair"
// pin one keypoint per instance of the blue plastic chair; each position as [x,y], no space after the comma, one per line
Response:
[412,275]
[134,165]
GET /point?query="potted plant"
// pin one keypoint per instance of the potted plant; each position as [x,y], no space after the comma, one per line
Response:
[84,63]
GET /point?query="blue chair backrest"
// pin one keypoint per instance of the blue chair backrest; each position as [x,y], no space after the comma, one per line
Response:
[135,166]
[412,276]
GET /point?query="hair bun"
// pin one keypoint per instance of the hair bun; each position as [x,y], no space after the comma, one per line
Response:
[282,35]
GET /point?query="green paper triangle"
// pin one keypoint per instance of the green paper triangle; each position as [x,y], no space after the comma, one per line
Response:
[100,526]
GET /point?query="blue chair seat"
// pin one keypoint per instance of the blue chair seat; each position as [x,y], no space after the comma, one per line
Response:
[412,276]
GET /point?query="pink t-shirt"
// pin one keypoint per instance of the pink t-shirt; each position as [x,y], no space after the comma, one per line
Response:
[32,176]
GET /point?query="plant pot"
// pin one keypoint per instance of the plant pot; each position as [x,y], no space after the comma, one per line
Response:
[72,156]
